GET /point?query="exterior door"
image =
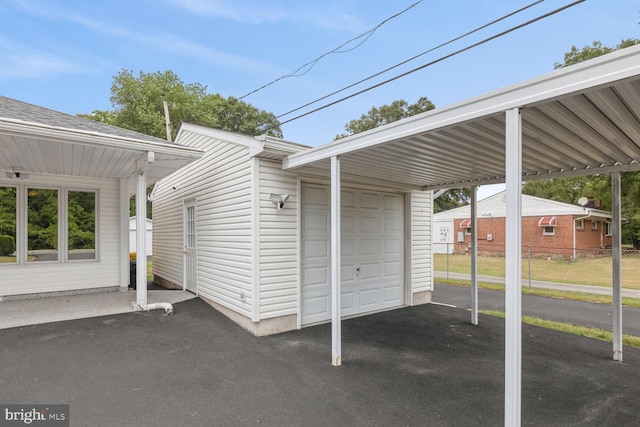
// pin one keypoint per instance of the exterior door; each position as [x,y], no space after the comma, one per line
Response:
[372,252]
[190,239]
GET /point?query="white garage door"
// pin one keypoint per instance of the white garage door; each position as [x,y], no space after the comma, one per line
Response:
[372,252]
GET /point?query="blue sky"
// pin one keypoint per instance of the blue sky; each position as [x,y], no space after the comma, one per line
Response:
[63,54]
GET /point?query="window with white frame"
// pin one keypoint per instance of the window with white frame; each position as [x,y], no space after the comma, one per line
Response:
[35,223]
[467,231]
[607,228]
[594,225]
[8,224]
[580,224]
[548,230]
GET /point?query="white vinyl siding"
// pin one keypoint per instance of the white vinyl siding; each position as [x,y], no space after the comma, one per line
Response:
[35,278]
[221,183]
[420,244]
[278,241]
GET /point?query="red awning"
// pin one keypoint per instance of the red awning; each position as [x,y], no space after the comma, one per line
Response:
[466,223]
[548,221]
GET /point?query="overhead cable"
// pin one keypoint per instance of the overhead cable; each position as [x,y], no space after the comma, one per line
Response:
[502,18]
[309,65]
[442,58]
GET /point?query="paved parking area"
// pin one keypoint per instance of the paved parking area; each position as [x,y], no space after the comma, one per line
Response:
[410,367]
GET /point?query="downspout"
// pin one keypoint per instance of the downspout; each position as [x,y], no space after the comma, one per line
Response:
[574,232]
[141,238]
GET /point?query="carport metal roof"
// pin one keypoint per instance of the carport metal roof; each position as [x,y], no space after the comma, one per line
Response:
[580,120]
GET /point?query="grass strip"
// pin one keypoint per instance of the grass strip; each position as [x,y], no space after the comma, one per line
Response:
[552,293]
[583,331]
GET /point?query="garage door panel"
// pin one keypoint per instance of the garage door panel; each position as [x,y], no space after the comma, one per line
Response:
[392,246]
[372,253]
[393,202]
[369,200]
[370,247]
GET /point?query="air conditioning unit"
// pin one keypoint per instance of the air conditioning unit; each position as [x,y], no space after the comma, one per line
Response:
[489,237]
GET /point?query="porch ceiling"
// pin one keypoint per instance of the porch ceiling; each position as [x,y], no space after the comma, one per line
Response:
[35,140]
[581,120]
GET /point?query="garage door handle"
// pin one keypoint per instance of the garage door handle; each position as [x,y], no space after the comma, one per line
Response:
[358,272]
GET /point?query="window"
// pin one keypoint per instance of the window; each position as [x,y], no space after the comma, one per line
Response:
[47,224]
[467,231]
[548,230]
[81,225]
[607,228]
[594,225]
[580,224]
[8,224]
[42,225]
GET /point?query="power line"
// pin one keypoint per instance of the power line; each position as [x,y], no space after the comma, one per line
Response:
[412,58]
[442,58]
[309,65]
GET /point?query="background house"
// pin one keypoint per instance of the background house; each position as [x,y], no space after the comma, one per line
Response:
[132,236]
[65,184]
[548,227]
[253,239]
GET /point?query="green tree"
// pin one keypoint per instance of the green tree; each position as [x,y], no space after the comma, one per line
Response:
[138,105]
[386,114]
[400,109]
[569,190]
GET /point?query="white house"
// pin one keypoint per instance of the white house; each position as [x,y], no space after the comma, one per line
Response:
[65,184]
[133,235]
[254,240]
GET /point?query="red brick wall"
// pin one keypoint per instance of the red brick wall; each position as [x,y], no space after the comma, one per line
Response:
[559,243]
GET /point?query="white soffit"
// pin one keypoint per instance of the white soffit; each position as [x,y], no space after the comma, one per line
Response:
[580,120]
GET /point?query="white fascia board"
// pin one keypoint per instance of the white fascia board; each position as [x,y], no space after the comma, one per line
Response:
[95,139]
[255,146]
[604,70]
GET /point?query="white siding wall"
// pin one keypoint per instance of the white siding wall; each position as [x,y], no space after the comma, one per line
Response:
[420,246]
[38,277]
[221,183]
[278,256]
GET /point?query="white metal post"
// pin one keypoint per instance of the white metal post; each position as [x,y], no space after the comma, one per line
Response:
[124,235]
[513,271]
[474,255]
[616,249]
[141,240]
[336,338]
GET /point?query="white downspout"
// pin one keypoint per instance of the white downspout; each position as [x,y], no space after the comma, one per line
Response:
[574,232]
[141,239]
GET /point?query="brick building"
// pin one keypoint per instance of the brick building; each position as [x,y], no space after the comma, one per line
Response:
[548,227]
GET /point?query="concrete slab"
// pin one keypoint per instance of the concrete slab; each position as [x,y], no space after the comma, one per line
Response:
[14,313]
[415,366]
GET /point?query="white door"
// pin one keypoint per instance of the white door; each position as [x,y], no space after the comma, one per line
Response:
[190,265]
[372,252]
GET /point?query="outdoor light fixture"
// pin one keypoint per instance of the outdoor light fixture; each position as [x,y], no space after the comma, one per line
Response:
[279,199]
[16,174]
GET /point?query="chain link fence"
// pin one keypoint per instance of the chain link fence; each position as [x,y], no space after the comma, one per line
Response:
[588,271]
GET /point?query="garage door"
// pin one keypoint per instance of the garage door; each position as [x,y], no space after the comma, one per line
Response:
[372,252]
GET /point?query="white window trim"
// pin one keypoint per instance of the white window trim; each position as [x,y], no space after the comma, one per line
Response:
[594,225]
[580,224]
[96,242]
[549,233]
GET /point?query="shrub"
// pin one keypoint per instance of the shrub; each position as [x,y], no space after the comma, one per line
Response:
[7,245]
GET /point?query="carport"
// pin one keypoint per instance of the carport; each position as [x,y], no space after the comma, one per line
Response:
[581,120]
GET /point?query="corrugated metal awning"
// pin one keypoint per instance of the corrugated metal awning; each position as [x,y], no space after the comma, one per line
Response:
[548,221]
[466,223]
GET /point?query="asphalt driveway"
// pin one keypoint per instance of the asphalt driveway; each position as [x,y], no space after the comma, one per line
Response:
[415,366]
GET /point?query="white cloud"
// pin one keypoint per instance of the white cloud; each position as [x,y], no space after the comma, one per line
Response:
[256,13]
[20,61]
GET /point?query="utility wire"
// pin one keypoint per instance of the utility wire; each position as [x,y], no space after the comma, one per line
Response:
[309,65]
[442,58]
[412,58]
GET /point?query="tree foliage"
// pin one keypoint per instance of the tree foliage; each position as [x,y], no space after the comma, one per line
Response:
[386,114]
[569,190]
[138,105]
[400,109]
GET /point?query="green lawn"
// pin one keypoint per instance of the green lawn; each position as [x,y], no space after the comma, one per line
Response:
[583,271]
